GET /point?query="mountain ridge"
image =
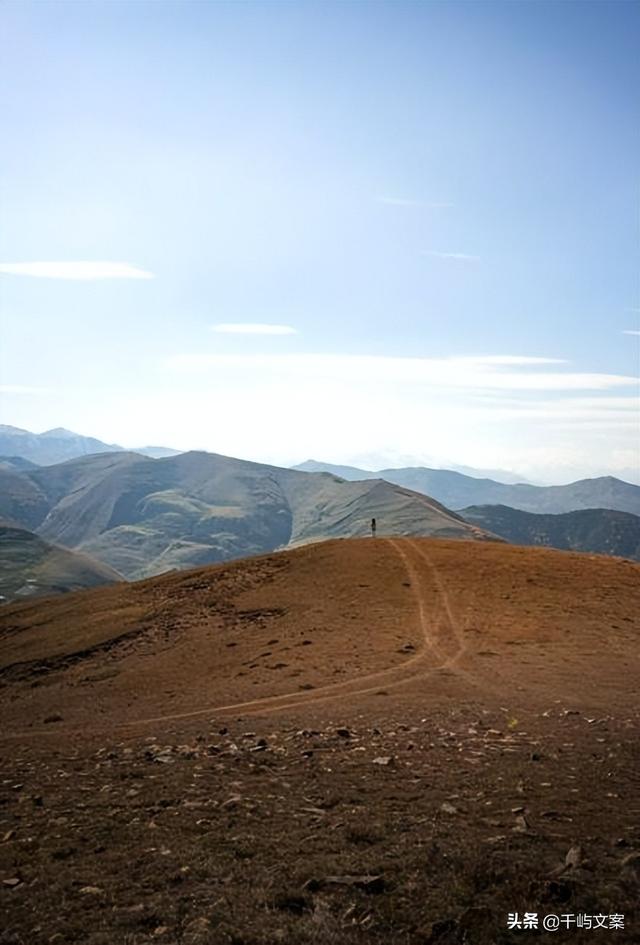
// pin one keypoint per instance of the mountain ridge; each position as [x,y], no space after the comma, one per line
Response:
[458,491]
[598,531]
[59,444]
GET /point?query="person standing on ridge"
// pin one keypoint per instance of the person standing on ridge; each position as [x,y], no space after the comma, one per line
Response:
[373,528]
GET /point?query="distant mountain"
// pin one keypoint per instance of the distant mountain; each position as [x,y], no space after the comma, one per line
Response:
[457,491]
[601,531]
[144,516]
[355,472]
[30,567]
[156,452]
[54,446]
[59,445]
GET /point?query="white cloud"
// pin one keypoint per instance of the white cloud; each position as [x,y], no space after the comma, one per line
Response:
[83,271]
[463,257]
[253,328]
[511,359]
[630,331]
[446,374]
[407,202]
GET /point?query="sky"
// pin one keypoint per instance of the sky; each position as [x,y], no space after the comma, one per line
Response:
[364,232]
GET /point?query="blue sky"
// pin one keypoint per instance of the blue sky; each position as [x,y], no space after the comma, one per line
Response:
[426,196]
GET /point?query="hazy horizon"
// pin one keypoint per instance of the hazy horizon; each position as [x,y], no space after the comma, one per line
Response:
[368,462]
[373,234]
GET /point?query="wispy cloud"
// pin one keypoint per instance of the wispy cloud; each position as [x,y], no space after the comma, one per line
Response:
[83,271]
[408,202]
[22,389]
[253,328]
[508,359]
[464,257]
[492,372]
[630,331]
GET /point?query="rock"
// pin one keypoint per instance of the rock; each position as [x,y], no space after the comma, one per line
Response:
[197,928]
[448,808]
[522,824]
[54,717]
[12,882]
[343,732]
[574,858]
[231,802]
[90,891]
[164,759]
[384,760]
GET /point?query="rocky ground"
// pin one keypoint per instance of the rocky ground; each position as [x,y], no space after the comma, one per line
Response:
[246,831]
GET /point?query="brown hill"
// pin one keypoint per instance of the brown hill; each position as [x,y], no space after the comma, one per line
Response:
[336,619]
[358,742]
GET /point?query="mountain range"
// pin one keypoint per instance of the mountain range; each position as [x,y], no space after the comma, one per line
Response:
[59,445]
[142,516]
[457,491]
[116,513]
